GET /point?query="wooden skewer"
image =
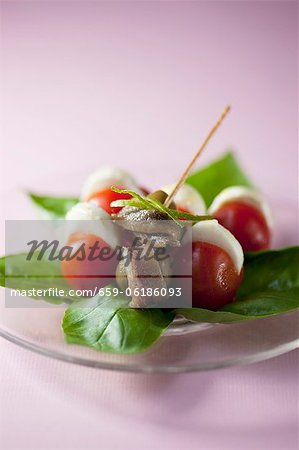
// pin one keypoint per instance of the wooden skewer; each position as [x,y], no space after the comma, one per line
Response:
[183,177]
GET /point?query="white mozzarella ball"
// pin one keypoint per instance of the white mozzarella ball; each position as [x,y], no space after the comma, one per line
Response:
[105,178]
[212,232]
[246,195]
[188,198]
[85,217]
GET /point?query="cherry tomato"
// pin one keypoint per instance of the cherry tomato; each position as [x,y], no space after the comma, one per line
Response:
[215,279]
[104,197]
[246,223]
[90,271]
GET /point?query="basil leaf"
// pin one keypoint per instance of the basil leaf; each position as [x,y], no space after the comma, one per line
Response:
[56,207]
[270,269]
[107,324]
[213,178]
[208,316]
[16,273]
[267,303]
[270,286]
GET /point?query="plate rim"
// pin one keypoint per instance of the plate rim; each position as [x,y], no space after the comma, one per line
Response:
[148,368]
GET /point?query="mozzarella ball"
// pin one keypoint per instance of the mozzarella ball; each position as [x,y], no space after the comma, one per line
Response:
[211,232]
[86,217]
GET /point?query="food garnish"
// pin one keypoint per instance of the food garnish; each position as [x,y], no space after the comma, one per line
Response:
[228,216]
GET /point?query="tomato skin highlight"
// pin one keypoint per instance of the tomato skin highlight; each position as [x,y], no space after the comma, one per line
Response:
[103,198]
[215,279]
[246,223]
[85,273]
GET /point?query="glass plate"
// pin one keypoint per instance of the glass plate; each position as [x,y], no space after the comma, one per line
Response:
[185,347]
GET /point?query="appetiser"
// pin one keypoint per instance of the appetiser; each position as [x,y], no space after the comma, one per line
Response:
[217,265]
[214,227]
[217,257]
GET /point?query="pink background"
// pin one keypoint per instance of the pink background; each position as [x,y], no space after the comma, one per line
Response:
[138,84]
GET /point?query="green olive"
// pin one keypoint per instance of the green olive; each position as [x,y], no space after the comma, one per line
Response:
[121,276]
[161,196]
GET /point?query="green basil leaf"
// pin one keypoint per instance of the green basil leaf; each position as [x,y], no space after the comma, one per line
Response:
[213,178]
[270,286]
[208,316]
[270,270]
[107,324]
[264,304]
[56,207]
[16,273]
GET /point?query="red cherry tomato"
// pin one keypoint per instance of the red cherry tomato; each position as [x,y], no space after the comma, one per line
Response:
[104,197]
[93,270]
[215,279]
[246,223]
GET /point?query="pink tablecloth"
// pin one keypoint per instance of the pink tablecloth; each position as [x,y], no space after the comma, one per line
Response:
[138,84]
[47,404]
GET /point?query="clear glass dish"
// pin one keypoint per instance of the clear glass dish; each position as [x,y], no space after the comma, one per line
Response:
[185,347]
